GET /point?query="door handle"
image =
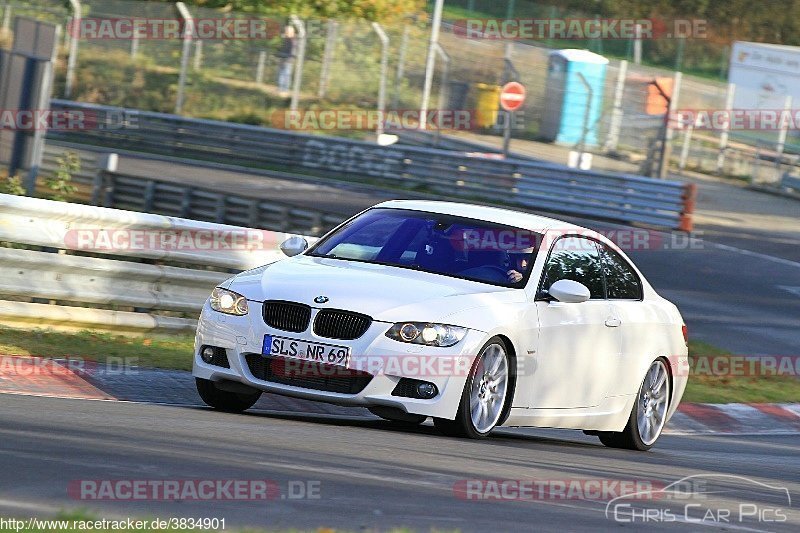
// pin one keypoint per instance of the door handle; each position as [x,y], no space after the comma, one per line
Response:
[613,322]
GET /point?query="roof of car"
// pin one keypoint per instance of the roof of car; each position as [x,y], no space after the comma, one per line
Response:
[497,215]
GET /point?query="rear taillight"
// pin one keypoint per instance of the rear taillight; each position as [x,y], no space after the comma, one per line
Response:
[685,331]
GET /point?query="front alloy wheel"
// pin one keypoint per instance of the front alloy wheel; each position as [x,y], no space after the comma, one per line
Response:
[648,415]
[484,396]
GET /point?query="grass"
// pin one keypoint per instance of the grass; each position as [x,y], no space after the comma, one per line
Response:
[159,351]
[175,352]
[705,387]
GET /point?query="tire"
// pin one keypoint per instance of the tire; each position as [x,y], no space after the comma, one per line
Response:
[654,392]
[230,402]
[478,391]
[397,416]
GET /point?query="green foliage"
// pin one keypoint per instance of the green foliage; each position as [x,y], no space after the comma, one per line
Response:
[384,11]
[68,164]
[11,185]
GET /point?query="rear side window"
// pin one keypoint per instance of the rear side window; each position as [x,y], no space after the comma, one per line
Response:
[576,259]
[622,283]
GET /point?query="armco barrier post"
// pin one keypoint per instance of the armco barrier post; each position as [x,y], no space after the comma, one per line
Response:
[689,198]
[105,163]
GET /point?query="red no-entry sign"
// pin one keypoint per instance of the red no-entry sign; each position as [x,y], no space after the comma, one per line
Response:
[512,96]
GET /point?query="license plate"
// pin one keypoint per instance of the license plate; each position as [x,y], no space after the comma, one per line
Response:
[306,350]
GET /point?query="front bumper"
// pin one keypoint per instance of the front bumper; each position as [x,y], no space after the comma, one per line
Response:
[387,360]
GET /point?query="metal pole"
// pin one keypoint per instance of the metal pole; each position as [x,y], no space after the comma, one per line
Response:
[784,125]
[72,58]
[384,67]
[687,141]
[589,96]
[430,62]
[723,136]
[509,72]
[188,30]
[327,57]
[298,66]
[262,58]
[401,67]
[134,45]
[7,17]
[637,44]
[616,113]
[442,89]
[666,147]
[198,54]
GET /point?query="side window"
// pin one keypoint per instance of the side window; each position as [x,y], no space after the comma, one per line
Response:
[622,283]
[576,259]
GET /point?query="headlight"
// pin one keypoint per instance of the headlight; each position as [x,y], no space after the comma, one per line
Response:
[426,333]
[228,302]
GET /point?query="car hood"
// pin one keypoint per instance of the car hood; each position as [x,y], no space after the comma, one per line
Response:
[385,293]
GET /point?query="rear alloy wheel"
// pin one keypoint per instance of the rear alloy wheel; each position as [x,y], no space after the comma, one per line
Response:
[230,402]
[648,415]
[397,416]
[484,396]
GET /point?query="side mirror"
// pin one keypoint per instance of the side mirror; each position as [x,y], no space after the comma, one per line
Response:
[569,292]
[293,246]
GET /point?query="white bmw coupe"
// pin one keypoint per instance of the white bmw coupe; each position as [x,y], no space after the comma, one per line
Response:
[475,316]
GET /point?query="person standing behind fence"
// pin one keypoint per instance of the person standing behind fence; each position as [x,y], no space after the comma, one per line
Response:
[286,55]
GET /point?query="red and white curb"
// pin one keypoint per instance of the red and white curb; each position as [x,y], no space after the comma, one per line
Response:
[736,419]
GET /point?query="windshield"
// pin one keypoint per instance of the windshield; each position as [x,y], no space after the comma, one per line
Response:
[441,244]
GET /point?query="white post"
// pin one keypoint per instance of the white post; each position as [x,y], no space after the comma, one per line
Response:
[637,44]
[188,31]
[687,142]
[616,113]
[431,62]
[723,136]
[262,58]
[327,57]
[72,58]
[134,45]
[7,17]
[298,66]
[198,55]
[666,149]
[401,66]
[384,67]
[784,124]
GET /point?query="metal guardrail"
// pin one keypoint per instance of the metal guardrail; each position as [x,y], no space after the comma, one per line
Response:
[516,182]
[102,264]
[96,186]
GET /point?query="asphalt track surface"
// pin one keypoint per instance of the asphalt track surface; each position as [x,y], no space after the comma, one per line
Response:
[364,474]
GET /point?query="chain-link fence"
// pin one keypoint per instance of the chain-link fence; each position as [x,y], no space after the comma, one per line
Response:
[341,65]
